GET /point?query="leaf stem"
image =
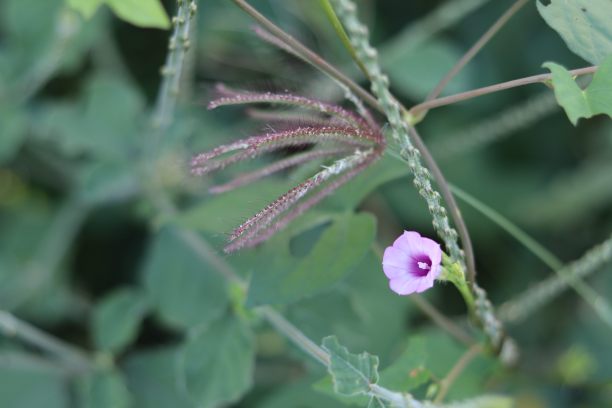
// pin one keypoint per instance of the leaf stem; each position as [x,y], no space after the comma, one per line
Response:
[482,41]
[453,374]
[11,326]
[448,100]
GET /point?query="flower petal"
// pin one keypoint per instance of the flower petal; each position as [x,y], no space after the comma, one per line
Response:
[395,257]
[404,286]
[393,272]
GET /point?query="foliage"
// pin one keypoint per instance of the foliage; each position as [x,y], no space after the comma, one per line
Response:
[114,288]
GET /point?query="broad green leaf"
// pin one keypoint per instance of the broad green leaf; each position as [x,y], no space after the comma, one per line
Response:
[338,251]
[352,194]
[86,7]
[105,123]
[152,378]
[27,381]
[117,317]
[143,13]
[584,25]
[409,370]
[184,290]
[353,374]
[103,389]
[594,100]
[216,364]
[417,70]
[220,214]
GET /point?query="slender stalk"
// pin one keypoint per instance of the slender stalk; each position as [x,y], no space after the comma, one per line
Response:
[482,41]
[173,68]
[283,326]
[455,212]
[523,305]
[456,371]
[337,25]
[308,55]
[448,100]
[11,326]
[588,294]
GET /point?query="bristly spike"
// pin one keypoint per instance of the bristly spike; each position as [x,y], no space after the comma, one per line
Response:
[330,129]
[228,96]
[256,236]
[274,168]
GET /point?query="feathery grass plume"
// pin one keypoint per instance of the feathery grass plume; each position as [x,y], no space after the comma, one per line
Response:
[331,132]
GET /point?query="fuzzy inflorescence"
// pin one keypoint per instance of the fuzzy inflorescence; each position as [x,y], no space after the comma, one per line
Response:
[331,132]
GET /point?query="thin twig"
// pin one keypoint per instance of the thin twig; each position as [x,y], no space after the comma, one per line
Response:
[448,100]
[11,326]
[308,55]
[482,41]
[457,369]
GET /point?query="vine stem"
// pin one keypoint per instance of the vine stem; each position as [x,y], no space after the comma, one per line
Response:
[308,55]
[11,326]
[457,369]
[482,41]
[448,100]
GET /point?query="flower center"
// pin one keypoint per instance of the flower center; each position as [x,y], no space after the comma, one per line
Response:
[420,265]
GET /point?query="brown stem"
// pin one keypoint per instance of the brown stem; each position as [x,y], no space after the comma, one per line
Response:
[457,369]
[482,41]
[448,100]
[308,55]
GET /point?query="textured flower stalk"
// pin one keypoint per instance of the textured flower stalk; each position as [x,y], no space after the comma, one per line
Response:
[334,132]
[358,34]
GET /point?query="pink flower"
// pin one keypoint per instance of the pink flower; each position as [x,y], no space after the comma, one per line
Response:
[412,263]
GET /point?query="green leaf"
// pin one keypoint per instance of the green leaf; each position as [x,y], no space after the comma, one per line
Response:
[103,389]
[220,214]
[415,71]
[352,194]
[117,317]
[27,381]
[152,378]
[86,7]
[337,252]
[142,13]
[353,374]
[584,25]
[594,100]
[408,371]
[184,290]
[216,364]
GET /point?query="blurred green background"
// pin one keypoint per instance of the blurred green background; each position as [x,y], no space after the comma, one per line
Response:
[80,167]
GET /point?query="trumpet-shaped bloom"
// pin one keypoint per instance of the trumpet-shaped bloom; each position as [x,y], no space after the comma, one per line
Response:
[412,263]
